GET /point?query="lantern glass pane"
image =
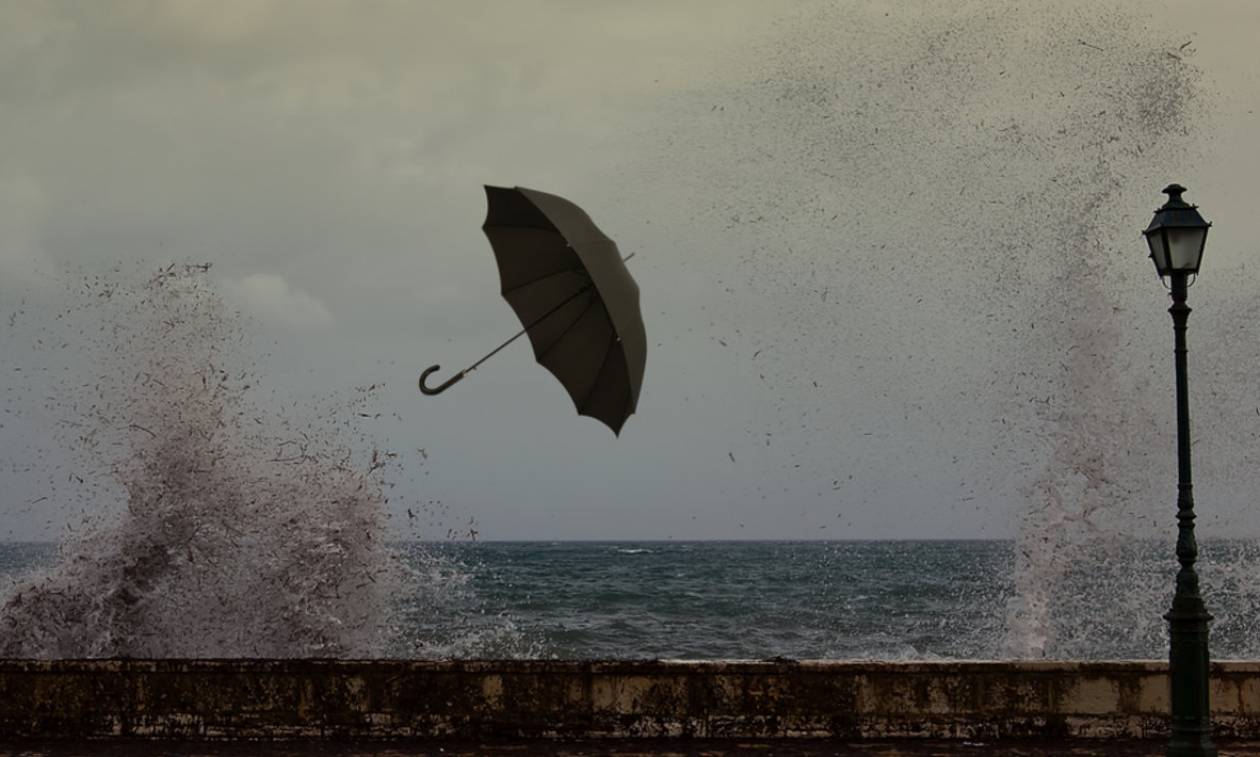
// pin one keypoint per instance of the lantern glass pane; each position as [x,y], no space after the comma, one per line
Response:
[1186,246]
[1155,240]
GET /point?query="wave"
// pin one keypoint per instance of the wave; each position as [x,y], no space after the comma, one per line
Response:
[217,527]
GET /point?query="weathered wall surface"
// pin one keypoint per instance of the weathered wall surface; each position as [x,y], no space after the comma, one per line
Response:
[216,699]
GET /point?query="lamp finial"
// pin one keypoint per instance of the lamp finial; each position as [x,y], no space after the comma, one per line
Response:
[1174,192]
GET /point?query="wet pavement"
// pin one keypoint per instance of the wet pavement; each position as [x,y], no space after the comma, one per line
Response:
[617,748]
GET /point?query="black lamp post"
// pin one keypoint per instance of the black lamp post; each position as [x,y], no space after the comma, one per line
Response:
[1176,237]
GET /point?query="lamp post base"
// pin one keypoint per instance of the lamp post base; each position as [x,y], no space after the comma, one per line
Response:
[1189,674]
[1191,747]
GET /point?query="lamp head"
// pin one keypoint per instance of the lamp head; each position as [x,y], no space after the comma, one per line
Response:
[1176,235]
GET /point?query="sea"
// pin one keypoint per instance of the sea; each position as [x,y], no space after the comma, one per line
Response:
[881,600]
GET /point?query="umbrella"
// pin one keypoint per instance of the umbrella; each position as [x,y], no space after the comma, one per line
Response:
[570,288]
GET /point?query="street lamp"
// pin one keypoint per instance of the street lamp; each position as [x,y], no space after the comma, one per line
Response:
[1176,237]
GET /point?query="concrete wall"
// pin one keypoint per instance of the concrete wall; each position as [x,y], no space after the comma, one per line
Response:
[478,699]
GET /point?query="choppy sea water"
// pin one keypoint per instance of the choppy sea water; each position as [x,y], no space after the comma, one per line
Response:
[705,600]
[891,600]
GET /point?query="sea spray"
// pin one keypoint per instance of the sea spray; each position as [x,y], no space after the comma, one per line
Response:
[935,214]
[236,528]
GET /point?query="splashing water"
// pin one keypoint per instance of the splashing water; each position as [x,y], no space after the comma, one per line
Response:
[931,202]
[237,531]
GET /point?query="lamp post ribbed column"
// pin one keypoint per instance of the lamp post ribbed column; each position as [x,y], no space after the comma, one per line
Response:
[1188,666]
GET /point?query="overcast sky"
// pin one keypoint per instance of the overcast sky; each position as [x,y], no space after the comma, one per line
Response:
[850,220]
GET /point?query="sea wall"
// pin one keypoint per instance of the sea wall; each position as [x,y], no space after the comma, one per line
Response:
[252,699]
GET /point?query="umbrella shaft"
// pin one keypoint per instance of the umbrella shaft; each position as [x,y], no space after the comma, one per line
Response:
[539,320]
[525,330]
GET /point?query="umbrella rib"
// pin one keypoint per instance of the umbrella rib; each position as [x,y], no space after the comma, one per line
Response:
[612,339]
[581,315]
[535,281]
[544,277]
[626,410]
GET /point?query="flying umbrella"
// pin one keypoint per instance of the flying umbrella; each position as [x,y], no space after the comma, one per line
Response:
[570,288]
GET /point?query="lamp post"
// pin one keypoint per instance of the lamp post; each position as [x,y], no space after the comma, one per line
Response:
[1176,237]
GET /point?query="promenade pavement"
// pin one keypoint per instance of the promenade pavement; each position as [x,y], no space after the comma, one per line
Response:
[615,748]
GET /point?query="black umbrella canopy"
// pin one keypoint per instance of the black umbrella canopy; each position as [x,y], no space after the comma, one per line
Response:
[569,285]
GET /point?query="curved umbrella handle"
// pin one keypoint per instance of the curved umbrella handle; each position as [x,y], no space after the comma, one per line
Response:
[443,387]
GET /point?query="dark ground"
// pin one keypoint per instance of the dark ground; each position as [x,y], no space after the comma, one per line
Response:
[620,748]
